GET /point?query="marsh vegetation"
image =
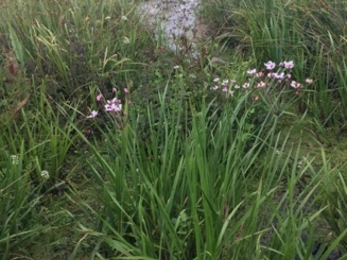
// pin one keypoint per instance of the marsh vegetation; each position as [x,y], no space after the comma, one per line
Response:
[222,141]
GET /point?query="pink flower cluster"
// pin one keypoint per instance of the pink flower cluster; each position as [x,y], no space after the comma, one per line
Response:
[225,86]
[280,75]
[263,78]
[113,105]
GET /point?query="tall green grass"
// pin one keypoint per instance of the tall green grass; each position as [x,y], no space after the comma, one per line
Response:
[212,189]
[184,171]
[310,33]
[18,204]
[75,44]
[34,145]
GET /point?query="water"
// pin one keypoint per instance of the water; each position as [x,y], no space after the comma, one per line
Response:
[173,21]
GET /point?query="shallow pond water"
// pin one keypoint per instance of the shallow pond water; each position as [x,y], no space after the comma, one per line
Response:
[172,20]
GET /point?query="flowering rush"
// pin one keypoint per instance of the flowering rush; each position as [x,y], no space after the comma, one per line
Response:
[263,78]
[113,105]
[225,86]
[288,64]
[99,97]
[270,65]
[93,114]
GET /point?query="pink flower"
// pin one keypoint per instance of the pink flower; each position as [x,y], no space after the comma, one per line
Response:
[260,74]
[93,114]
[126,91]
[114,101]
[99,97]
[309,81]
[261,84]
[279,75]
[225,82]
[252,72]
[288,64]
[270,65]
[246,85]
[225,89]
[113,107]
[216,80]
[295,84]
[114,90]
